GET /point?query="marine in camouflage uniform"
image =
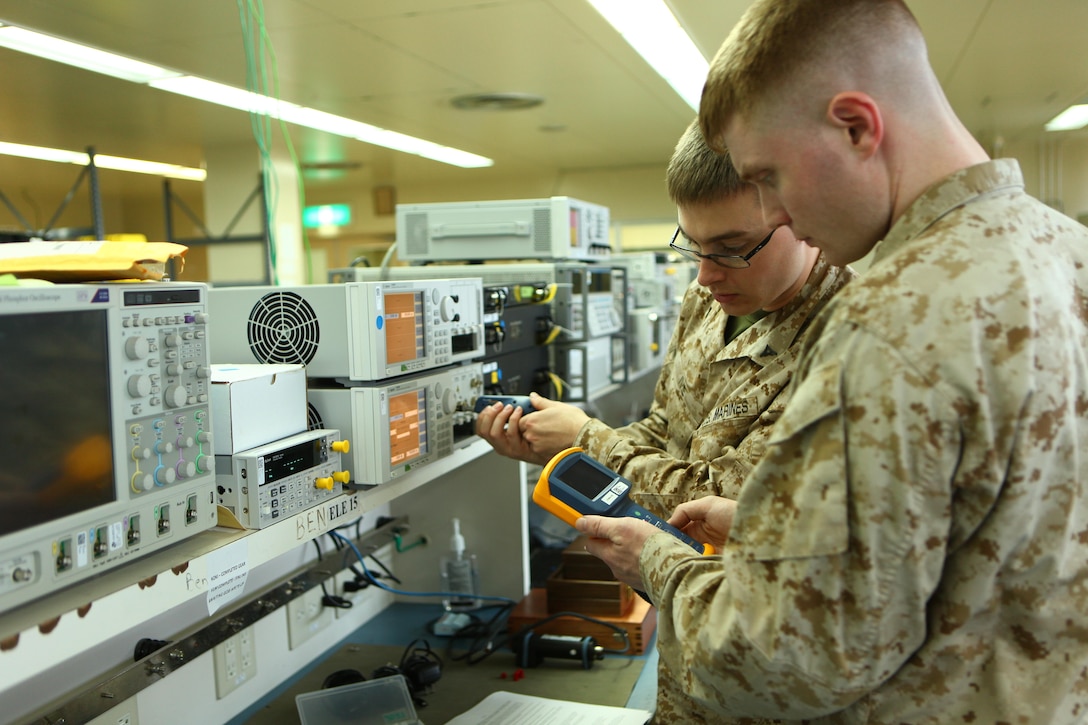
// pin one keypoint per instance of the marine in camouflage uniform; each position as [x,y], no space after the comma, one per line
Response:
[913,547]
[713,411]
[715,402]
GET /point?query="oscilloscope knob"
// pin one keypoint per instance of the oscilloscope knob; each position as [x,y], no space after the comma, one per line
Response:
[136,348]
[176,396]
[201,463]
[165,475]
[185,469]
[142,482]
[139,386]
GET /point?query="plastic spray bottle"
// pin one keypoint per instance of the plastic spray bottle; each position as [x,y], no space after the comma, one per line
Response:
[460,577]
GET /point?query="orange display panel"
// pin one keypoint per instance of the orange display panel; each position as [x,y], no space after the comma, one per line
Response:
[407,426]
[403,327]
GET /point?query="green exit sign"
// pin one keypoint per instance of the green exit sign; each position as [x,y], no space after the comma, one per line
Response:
[326,215]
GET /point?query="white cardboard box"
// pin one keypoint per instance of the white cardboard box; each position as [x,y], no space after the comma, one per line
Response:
[255,404]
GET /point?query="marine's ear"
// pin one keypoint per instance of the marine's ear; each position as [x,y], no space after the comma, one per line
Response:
[858,116]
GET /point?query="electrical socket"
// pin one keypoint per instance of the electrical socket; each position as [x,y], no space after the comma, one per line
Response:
[235,662]
[122,714]
[306,616]
[356,597]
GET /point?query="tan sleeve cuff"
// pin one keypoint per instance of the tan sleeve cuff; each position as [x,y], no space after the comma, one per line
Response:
[660,555]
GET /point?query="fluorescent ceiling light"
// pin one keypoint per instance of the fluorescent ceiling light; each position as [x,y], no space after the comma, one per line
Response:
[102,161]
[120,163]
[653,31]
[81,56]
[221,94]
[251,102]
[44,154]
[63,51]
[1069,119]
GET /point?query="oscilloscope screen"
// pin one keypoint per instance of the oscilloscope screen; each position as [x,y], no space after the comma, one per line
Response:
[55,436]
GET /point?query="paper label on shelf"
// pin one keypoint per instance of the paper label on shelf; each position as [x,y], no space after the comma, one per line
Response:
[228,569]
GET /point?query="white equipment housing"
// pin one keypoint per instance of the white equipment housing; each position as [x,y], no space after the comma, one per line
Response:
[555,228]
[357,332]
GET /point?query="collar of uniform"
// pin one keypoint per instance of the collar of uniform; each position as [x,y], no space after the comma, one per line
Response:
[776,332]
[948,194]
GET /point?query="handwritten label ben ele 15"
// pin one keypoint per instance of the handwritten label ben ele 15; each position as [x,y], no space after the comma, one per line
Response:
[319,518]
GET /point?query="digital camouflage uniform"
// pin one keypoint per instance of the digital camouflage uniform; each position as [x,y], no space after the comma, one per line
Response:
[913,547]
[713,409]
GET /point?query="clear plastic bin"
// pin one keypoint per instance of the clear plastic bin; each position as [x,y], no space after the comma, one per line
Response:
[384,701]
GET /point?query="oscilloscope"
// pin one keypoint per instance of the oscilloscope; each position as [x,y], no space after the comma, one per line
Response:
[357,332]
[106,432]
[402,424]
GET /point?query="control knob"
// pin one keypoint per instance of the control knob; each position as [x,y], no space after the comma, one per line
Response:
[165,475]
[142,482]
[446,309]
[136,348]
[176,396]
[139,386]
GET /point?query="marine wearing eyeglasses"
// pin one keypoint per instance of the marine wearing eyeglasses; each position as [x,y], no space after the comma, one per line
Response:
[736,260]
[725,378]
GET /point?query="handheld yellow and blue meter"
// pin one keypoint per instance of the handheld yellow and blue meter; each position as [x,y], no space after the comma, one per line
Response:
[573,485]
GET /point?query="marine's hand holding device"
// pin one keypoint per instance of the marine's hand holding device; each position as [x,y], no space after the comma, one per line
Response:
[517,401]
[573,485]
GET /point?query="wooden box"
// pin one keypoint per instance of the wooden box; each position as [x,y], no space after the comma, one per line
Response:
[580,564]
[588,596]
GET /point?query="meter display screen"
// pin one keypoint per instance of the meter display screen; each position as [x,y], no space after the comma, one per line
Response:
[407,426]
[587,479]
[403,322]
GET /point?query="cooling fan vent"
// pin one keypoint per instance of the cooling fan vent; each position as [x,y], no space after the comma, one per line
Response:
[313,418]
[283,328]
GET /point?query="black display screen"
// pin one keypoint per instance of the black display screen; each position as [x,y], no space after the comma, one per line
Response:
[56,449]
[587,479]
[161,297]
[289,461]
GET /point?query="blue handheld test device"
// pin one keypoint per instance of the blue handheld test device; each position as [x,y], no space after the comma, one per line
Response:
[573,485]
[518,401]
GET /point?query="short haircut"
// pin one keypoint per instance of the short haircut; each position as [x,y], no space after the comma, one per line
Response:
[698,175]
[776,40]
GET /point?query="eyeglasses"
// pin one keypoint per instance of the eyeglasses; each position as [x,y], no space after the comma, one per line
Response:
[731,261]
